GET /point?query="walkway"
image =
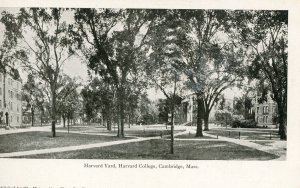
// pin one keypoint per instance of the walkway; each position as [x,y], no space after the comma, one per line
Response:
[277,149]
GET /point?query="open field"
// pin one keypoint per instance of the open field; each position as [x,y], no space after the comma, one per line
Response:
[193,136]
[159,149]
[138,131]
[42,140]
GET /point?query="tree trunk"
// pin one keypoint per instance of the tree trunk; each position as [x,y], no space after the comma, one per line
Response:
[122,116]
[42,114]
[129,119]
[68,119]
[172,131]
[108,116]
[103,120]
[282,122]
[64,121]
[32,117]
[108,122]
[41,119]
[206,118]
[53,114]
[121,113]
[199,116]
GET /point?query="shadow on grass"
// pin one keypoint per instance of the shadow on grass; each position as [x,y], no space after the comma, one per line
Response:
[159,149]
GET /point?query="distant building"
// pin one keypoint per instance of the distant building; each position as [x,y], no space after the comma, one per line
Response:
[187,112]
[10,101]
[265,112]
[40,118]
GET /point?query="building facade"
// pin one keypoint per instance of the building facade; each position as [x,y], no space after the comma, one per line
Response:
[265,112]
[10,101]
[189,113]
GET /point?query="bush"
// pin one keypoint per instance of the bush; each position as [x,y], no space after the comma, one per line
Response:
[238,117]
[223,117]
[243,123]
[235,123]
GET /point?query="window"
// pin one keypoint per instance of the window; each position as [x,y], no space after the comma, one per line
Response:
[257,109]
[0,91]
[18,119]
[11,106]
[265,109]
[266,119]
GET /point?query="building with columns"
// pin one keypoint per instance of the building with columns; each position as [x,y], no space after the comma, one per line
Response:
[10,101]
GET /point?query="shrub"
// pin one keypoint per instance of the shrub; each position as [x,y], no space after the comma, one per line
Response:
[243,124]
[235,123]
[223,117]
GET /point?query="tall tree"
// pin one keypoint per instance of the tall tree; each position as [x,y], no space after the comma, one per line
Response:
[264,33]
[98,97]
[45,47]
[208,61]
[8,45]
[34,96]
[162,66]
[67,98]
[111,40]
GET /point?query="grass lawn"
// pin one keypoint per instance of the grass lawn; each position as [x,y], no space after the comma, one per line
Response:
[41,140]
[134,131]
[149,133]
[159,149]
[258,135]
[247,129]
[91,129]
[192,136]
[264,143]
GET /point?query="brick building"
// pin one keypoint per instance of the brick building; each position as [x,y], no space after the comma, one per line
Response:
[10,101]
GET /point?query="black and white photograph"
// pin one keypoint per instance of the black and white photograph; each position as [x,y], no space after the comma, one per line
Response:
[144,84]
[144,88]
